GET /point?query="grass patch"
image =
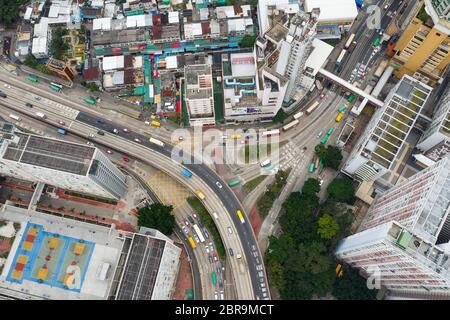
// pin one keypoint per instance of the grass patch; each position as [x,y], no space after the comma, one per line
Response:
[209,224]
[252,184]
[85,196]
[175,119]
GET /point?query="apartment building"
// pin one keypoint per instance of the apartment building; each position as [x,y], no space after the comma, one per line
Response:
[199,94]
[378,148]
[404,240]
[423,50]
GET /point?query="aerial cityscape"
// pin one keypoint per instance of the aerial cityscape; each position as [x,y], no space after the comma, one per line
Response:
[225,150]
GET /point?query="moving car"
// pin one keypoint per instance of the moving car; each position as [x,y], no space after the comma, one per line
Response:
[126,159]
[125,130]
[137,140]
[61,122]
[109,152]
[29,105]
[218,184]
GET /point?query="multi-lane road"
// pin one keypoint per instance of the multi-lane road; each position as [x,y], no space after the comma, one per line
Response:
[246,271]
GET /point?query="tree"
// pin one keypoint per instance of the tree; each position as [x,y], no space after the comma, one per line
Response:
[248,41]
[280,116]
[9,10]
[43,68]
[157,216]
[328,227]
[331,155]
[352,286]
[30,61]
[311,187]
[341,190]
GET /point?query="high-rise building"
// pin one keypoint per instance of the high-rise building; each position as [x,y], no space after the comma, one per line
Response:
[199,94]
[421,203]
[404,239]
[435,142]
[377,149]
[400,261]
[266,8]
[423,49]
[68,165]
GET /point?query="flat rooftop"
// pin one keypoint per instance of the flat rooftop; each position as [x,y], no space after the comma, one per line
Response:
[50,153]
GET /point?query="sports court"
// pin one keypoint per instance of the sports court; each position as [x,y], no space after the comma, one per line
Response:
[51,259]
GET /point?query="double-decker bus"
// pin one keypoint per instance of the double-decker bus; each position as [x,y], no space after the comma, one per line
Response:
[32,79]
[55,85]
[214,278]
[240,216]
[199,233]
[271,133]
[192,243]
[349,41]
[290,125]
[312,107]
[234,183]
[351,97]
[342,108]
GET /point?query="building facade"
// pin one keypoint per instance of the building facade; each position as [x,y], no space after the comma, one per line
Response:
[435,142]
[67,165]
[423,50]
[376,151]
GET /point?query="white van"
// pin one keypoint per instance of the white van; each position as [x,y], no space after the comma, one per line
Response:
[215,216]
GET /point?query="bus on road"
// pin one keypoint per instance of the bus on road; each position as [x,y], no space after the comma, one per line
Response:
[240,216]
[312,107]
[55,85]
[349,41]
[351,97]
[192,243]
[265,163]
[330,131]
[32,79]
[324,139]
[298,115]
[14,117]
[234,183]
[214,278]
[341,57]
[339,117]
[290,125]
[342,108]
[199,233]
[90,101]
[271,133]
[157,142]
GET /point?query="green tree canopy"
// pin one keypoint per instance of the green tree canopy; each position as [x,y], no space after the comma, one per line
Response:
[331,155]
[9,10]
[248,41]
[280,116]
[311,187]
[157,216]
[341,190]
[352,286]
[328,227]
